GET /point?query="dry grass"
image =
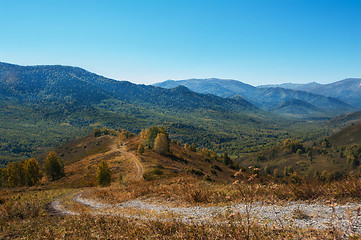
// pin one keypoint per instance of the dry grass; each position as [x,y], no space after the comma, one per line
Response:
[188,190]
[23,203]
[93,227]
[23,211]
[24,215]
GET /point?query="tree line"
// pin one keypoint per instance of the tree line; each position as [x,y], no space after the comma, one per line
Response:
[29,172]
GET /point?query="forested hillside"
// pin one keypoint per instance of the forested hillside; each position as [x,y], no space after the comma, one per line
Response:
[44,105]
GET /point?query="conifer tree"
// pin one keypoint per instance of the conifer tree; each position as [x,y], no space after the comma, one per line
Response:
[53,167]
[3,177]
[226,159]
[193,147]
[141,148]
[103,176]
[97,132]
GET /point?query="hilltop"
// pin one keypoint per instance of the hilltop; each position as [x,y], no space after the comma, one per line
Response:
[120,149]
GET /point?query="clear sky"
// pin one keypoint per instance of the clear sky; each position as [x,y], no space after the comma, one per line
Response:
[254,41]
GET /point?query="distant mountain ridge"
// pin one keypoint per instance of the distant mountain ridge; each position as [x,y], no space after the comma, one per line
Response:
[294,86]
[266,98]
[76,84]
[347,90]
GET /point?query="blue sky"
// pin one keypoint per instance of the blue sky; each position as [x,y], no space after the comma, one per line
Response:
[254,41]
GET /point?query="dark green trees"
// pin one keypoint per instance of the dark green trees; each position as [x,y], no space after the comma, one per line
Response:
[226,159]
[152,133]
[104,175]
[141,148]
[53,167]
[97,132]
[293,145]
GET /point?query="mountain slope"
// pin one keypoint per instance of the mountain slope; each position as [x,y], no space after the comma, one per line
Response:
[267,98]
[347,136]
[42,106]
[346,119]
[296,109]
[218,87]
[75,84]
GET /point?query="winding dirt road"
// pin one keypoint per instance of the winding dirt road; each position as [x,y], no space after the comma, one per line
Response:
[123,150]
[136,160]
[315,216]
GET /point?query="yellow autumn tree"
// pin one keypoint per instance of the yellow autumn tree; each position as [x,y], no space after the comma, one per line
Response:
[161,144]
[33,173]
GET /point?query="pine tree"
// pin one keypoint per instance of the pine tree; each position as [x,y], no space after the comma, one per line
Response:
[226,159]
[161,144]
[3,177]
[53,167]
[193,147]
[141,148]
[104,175]
[97,132]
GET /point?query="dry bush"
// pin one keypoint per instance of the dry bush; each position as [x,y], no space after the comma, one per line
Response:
[347,188]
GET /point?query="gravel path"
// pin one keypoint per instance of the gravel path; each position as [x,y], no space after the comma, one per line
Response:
[295,214]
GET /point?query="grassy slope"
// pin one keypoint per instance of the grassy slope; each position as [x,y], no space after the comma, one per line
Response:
[347,136]
[82,156]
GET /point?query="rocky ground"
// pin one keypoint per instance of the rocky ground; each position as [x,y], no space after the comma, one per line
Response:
[346,218]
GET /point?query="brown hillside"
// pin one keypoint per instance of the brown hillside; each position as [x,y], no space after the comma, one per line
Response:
[347,136]
[346,119]
[82,156]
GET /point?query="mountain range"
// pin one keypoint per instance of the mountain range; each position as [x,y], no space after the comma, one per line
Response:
[42,106]
[295,100]
[347,90]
